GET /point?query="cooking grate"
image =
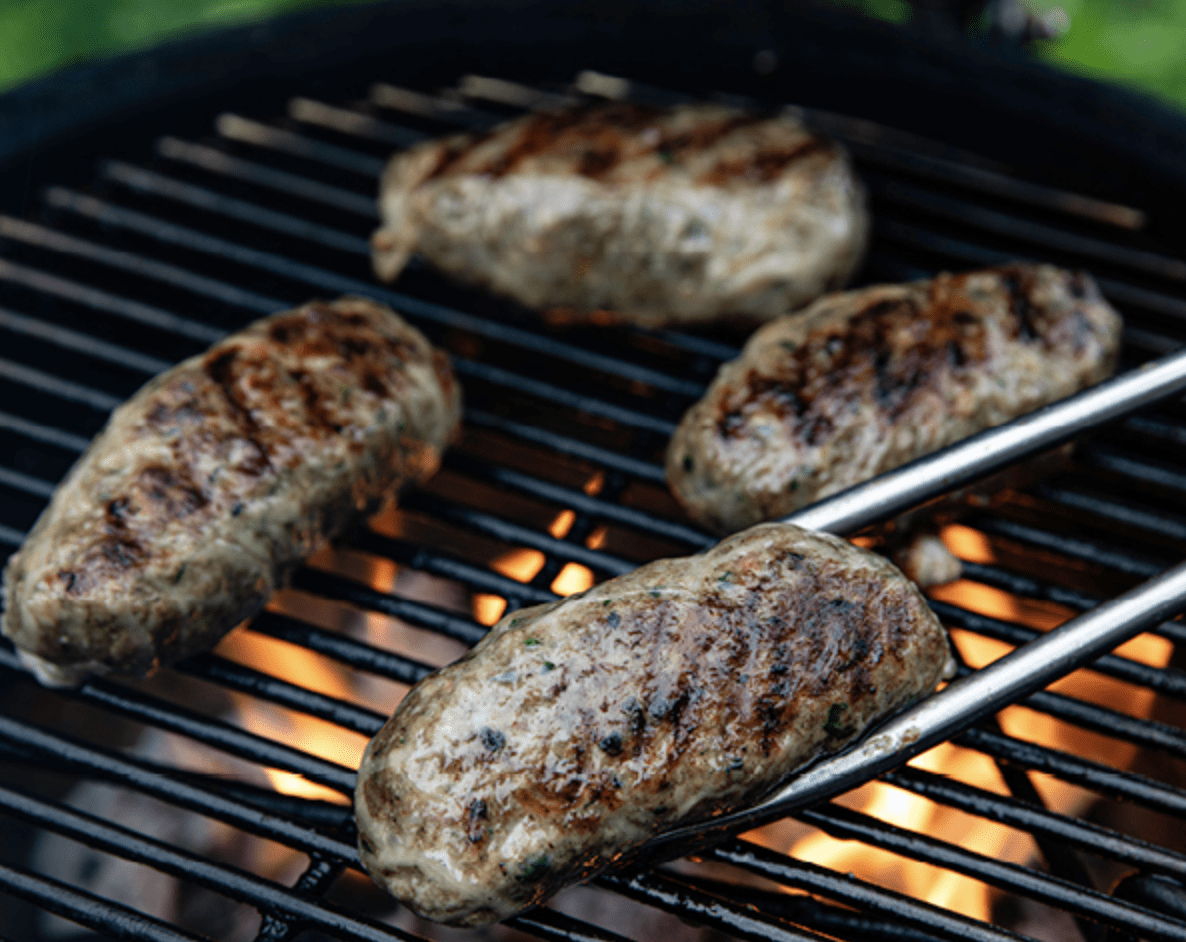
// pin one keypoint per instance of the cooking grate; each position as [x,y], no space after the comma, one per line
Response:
[104,286]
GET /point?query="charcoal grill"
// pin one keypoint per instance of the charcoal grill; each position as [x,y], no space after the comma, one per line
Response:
[154,202]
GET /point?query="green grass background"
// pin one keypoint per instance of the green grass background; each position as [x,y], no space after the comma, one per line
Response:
[1139,43]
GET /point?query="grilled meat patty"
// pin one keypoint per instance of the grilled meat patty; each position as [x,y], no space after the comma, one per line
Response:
[578,729]
[208,487]
[865,381]
[659,216]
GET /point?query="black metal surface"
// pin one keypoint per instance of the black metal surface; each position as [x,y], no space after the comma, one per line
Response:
[186,231]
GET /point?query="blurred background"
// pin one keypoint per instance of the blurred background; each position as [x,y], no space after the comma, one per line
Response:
[1137,43]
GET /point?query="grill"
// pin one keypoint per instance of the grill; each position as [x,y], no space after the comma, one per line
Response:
[235,204]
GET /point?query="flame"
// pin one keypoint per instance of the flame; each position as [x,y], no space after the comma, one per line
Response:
[299,666]
[573,578]
[522,565]
[562,524]
[907,810]
[488,609]
[967,543]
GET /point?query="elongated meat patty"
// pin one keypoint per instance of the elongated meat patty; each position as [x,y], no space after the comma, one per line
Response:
[578,729]
[208,487]
[659,216]
[863,382]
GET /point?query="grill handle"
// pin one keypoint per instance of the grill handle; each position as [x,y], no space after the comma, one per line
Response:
[990,451]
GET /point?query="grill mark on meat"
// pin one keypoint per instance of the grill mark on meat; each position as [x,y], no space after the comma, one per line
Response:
[1019,304]
[545,132]
[449,154]
[765,165]
[886,341]
[172,490]
[600,131]
[220,368]
[318,416]
[703,136]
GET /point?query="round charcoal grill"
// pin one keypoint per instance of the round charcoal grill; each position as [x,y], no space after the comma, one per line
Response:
[152,203]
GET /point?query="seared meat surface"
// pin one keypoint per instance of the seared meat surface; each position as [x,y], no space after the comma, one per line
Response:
[207,488]
[658,216]
[578,729]
[865,381]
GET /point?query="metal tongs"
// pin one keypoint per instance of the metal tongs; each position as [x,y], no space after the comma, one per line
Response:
[1020,673]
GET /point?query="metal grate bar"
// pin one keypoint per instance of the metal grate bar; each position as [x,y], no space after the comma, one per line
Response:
[216,161]
[355,123]
[968,253]
[167,716]
[171,788]
[263,686]
[1038,821]
[86,909]
[577,500]
[149,183]
[447,110]
[1075,548]
[133,311]
[56,386]
[496,527]
[245,130]
[323,279]
[318,877]
[1144,470]
[1048,237]
[54,241]
[844,824]
[1164,680]
[1163,522]
[420,614]
[577,401]
[45,434]
[437,563]
[228,881]
[1026,587]
[862,896]
[353,653]
[72,340]
[1108,722]
[693,905]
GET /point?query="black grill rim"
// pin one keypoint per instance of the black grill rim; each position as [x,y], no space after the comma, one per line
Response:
[1067,130]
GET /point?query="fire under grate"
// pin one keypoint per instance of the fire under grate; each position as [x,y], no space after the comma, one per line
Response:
[558,482]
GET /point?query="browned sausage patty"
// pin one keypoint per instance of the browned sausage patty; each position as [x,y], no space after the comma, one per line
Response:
[208,487]
[658,215]
[578,729]
[866,381]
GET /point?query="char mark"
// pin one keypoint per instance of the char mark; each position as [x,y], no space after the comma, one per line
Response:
[173,492]
[318,416]
[221,369]
[765,165]
[703,136]
[1020,306]
[595,123]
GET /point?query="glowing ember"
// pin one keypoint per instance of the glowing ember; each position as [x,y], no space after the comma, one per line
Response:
[562,524]
[573,578]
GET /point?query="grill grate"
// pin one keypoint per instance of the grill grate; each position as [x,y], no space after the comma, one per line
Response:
[102,288]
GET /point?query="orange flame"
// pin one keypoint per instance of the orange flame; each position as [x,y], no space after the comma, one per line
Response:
[904,809]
